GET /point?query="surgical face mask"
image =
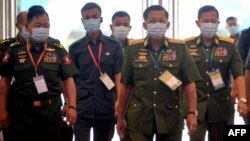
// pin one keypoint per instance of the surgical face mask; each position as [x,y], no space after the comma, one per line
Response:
[233,30]
[121,32]
[91,25]
[209,29]
[157,30]
[39,35]
[24,33]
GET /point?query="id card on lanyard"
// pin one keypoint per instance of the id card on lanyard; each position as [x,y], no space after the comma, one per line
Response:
[39,81]
[106,80]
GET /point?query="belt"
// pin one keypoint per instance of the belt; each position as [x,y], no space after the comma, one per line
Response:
[45,102]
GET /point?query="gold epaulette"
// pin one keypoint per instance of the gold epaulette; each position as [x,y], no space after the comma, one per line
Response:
[135,41]
[190,38]
[226,39]
[178,41]
[6,41]
[15,44]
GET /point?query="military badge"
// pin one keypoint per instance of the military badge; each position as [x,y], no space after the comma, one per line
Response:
[50,57]
[67,59]
[169,55]
[107,53]
[6,57]
[194,52]
[50,49]
[142,55]
[22,55]
[220,52]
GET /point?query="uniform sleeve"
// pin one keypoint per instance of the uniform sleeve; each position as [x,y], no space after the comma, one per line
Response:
[6,65]
[67,67]
[242,46]
[118,58]
[127,69]
[189,71]
[236,64]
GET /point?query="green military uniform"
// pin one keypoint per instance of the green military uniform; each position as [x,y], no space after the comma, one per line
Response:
[31,113]
[154,107]
[214,104]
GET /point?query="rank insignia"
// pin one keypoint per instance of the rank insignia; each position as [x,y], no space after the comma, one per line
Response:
[194,52]
[221,52]
[49,57]
[67,59]
[6,57]
[169,55]
[142,55]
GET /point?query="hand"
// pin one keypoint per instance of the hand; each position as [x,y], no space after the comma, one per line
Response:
[71,116]
[191,123]
[64,110]
[242,108]
[121,127]
[4,118]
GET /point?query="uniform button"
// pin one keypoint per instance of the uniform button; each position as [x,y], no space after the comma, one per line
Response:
[208,95]
[207,49]
[176,106]
[220,61]
[155,66]
[206,60]
[227,98]
[207,83]
[155,92]
[156,53]
[154,105]
[170,65]
[206,72]
[134,105]
[140,65]
[155,78]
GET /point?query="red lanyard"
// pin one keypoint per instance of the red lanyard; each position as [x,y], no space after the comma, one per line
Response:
[31,57]
[97,64]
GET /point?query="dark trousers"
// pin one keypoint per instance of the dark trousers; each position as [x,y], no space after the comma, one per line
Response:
[215,131]
[28,123]
[247,120]
[101,129]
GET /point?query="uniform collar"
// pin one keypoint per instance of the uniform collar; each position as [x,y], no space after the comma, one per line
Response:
[100,38]
[165,42]
[215,40]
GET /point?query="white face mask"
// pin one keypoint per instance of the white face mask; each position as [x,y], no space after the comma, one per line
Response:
[157,30]
[39,35]
[233,30]
[121,32]
[209,29]
[24,33]
[91,25]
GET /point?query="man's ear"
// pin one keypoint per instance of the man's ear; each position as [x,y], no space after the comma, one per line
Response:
[145,26]
[197,23]
[101,20]
[111,28]
[168,24]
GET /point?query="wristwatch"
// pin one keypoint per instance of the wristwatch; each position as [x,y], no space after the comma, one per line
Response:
[193,112]
[243,100]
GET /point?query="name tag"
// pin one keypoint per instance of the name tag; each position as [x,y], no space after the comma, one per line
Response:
[170,80]
[40,84]
[107,81]
[216,79]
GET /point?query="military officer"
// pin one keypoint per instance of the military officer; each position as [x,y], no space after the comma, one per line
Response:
[153,70]
[215,57]
[99,60]
[34,103]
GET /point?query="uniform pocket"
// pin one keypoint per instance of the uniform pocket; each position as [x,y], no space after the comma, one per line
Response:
[50,71]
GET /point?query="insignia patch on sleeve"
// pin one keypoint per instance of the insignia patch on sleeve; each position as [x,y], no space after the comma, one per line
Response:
[6,57]
[67,59]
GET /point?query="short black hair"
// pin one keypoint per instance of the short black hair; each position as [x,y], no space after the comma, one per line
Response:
[91,5]
[154,8]
[19,17]
[231,18]
[120,14]
[207,8]
[35,11]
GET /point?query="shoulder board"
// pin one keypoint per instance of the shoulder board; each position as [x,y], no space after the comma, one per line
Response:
[135,41]
[172,40]
[58,45]
[190,38]
[226,39]
[15,44]
[6,41]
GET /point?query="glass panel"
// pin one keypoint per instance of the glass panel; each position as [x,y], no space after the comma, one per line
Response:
[188,10]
